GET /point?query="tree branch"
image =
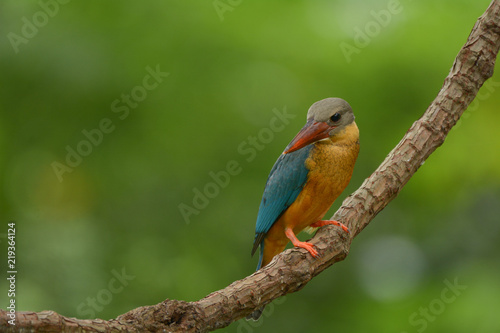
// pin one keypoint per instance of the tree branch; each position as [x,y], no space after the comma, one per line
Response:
[293,269]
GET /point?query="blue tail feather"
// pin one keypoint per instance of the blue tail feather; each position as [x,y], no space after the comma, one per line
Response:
[261,255]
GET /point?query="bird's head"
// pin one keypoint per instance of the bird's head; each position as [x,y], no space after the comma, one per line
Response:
[325,119]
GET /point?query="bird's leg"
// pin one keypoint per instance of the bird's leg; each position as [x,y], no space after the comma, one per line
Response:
[308,246]
[327,222]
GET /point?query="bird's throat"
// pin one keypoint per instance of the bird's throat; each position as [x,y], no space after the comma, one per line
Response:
[349,135]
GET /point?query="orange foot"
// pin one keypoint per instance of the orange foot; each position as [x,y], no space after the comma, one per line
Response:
[323,223]
[305,245]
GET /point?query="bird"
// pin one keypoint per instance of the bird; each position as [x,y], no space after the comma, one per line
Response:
[313,170]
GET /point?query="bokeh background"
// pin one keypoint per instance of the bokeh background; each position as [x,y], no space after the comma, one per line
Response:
[229,65]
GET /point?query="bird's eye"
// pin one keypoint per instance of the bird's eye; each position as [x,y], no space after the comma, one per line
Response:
[336,117]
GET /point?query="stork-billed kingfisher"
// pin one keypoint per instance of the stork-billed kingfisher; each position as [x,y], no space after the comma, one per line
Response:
[310,174]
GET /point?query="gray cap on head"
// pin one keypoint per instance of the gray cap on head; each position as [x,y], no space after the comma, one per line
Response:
[326,109]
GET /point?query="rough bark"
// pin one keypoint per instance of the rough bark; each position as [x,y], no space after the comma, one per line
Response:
[294,268]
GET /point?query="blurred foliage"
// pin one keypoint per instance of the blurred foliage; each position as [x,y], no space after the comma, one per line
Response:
[119,208]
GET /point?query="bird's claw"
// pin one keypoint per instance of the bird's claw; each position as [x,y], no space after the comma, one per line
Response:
[309,247]
[346,229]
[331,222]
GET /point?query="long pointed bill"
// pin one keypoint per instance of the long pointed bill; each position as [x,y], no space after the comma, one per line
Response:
[312,131]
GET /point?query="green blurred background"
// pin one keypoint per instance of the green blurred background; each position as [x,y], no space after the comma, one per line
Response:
[117,211]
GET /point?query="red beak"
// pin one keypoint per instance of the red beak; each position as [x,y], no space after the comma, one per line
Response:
[312,131]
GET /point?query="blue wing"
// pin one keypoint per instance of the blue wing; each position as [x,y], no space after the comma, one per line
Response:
[285,182]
